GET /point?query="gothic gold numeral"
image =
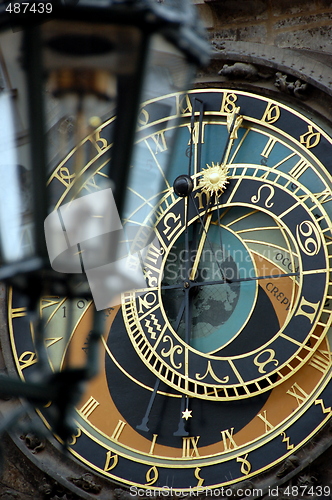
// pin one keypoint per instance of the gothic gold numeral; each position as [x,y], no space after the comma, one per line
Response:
[27,358]
[203,199]
[111,461]
[95,139]
[227,439]
[197,476]
[184,105]
[286,440]
[75,437]
[189,447]
[89,407]
[228,104]
[64,176]
[303,309]
[153,253]
[245,464]
[118,429]
[234,122]
[151,476]
[143,117]
[268,425]
[271,113]
[321,403]
[310,139]
[298,393]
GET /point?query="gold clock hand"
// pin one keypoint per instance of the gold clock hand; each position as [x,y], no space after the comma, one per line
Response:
[199,140]
[200,247]
[234,121]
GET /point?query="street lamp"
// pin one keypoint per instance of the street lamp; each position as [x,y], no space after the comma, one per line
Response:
[84,61]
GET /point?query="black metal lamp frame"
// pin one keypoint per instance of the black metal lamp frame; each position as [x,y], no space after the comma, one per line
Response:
[176,20]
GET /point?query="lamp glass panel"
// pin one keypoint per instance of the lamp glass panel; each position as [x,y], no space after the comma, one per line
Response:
[83,62]
[16,219]
[168,71]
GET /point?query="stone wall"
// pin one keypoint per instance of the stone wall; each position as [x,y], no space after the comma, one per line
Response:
[296,24]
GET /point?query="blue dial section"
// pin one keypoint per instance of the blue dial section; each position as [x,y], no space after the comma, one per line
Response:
[219,310]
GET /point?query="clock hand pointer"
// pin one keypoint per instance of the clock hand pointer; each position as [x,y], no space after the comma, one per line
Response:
[234,121]
[143,426]
[200,135]
[205,226]
[235,280]
[202,240]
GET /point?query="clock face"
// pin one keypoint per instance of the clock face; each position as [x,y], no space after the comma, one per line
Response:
[220,367]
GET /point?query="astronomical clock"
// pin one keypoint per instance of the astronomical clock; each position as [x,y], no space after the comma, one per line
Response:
[217,372]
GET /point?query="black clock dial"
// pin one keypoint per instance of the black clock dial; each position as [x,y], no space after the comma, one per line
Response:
[219,368]
[132,399]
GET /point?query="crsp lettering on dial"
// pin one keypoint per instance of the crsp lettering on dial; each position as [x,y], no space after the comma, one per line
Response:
[280,296]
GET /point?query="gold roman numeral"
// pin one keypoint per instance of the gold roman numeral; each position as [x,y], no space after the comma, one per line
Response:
[197,134]
[18,312]
[118,429]
[189,447]
[153,443]
[321,360]
[268,147]
[268,425]
[299,168]
[227,439]
[159,140]
[324,196]
[298,393]
[89,407]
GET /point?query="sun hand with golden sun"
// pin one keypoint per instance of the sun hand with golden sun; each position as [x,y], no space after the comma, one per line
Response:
[214,179]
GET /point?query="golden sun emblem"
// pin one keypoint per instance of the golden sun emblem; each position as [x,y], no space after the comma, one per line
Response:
[214,179]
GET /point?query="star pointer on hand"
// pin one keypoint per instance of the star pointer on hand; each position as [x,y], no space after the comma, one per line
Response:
[187,414]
